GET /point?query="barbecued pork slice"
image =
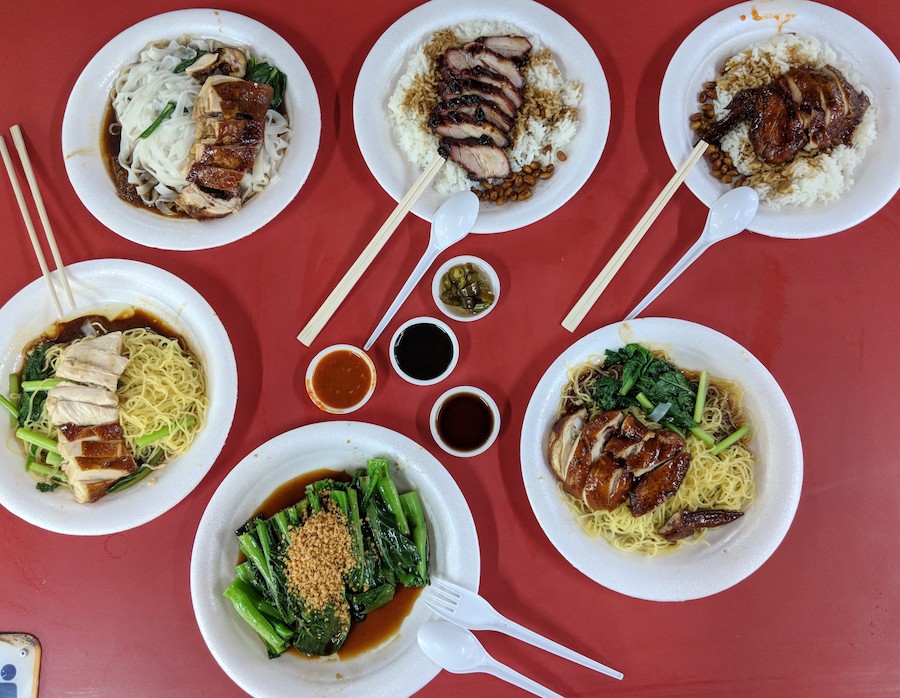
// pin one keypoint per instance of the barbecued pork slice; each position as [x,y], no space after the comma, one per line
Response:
[475,55]
[463,126]
[231,98]
[480,109]
[464,88]
[479,160]
[203,205]
[514,47]
[497,81]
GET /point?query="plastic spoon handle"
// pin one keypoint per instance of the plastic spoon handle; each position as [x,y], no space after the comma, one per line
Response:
[520,632]
[430,255]
[689,258]
[501,671]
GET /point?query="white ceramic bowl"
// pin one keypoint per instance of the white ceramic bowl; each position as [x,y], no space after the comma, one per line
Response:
[488,401]
[317,400]
[455,312]
[417,321]
[86,109]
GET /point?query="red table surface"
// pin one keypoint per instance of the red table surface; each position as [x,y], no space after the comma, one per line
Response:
[819,618]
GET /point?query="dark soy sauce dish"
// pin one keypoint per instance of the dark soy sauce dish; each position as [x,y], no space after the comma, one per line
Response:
[465,421]
[424,351]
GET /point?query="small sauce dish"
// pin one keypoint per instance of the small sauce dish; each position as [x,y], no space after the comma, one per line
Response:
[424,350]
[465,421]
[340,379]
[485,272]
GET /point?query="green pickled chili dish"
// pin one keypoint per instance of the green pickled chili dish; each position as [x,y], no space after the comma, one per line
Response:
[466,287]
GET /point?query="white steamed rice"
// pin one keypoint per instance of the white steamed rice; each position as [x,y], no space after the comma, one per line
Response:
[537,124]
[804,181]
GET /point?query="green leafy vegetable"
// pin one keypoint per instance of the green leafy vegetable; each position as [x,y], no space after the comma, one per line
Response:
[385,553]
[31,405]
[266,74]
[163,115]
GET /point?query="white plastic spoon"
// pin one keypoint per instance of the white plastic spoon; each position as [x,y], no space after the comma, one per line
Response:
[451,223]
[458,651]
[729,215]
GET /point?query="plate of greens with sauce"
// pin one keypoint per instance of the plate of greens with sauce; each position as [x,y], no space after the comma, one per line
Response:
[281,620]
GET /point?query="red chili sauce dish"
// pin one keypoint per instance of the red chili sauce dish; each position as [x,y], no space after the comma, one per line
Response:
[340,379]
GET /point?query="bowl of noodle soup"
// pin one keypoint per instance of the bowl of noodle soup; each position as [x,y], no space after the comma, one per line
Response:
[192,372]
[723,556]
[135,75]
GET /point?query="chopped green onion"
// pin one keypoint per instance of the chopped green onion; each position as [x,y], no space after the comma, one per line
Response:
[39,440]
[731,439]
[163,115]
[702,387]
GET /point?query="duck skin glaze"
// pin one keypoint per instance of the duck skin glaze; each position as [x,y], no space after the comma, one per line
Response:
[806,108]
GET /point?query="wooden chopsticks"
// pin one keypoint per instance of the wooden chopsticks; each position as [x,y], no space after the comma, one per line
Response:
[42,213]
[346,284]
[586,302]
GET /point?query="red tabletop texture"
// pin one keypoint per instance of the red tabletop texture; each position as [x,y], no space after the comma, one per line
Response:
[820,618]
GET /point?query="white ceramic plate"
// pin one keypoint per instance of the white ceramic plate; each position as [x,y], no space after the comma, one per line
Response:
[702,54]
[107,287]
[388,59]
[86,109]
[396,668]
[734,551]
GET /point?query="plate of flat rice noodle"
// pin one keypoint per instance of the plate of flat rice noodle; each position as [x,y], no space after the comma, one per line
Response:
[395,666]
[163,177]
[614,548]
[206,386]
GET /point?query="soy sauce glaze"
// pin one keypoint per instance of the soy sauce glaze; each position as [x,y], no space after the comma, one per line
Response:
[464,422]
[423,351]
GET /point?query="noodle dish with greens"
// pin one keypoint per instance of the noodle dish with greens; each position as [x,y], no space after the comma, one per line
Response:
[99,404]
[649,455]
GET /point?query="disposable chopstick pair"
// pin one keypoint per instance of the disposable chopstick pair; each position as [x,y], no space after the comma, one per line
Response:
[346,284]
[586,302]
[42,213]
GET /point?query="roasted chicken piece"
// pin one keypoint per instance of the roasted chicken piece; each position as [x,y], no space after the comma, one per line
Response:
[805,108]
[655,487]
[686,523]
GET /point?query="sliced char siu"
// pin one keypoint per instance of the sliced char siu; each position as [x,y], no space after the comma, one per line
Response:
[516,48]
[481,109]
[478,75]
[460,126]
[479,160]
[475,55]
[489,93]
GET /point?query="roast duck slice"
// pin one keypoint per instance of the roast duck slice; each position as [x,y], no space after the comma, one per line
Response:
[614,458]
[805,108]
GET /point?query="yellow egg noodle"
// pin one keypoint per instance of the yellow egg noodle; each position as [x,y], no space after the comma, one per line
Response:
[723,481]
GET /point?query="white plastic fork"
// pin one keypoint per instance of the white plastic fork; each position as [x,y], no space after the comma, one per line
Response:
[469,610]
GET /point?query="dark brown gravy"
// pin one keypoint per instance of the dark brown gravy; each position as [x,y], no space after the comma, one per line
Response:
[380,625]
